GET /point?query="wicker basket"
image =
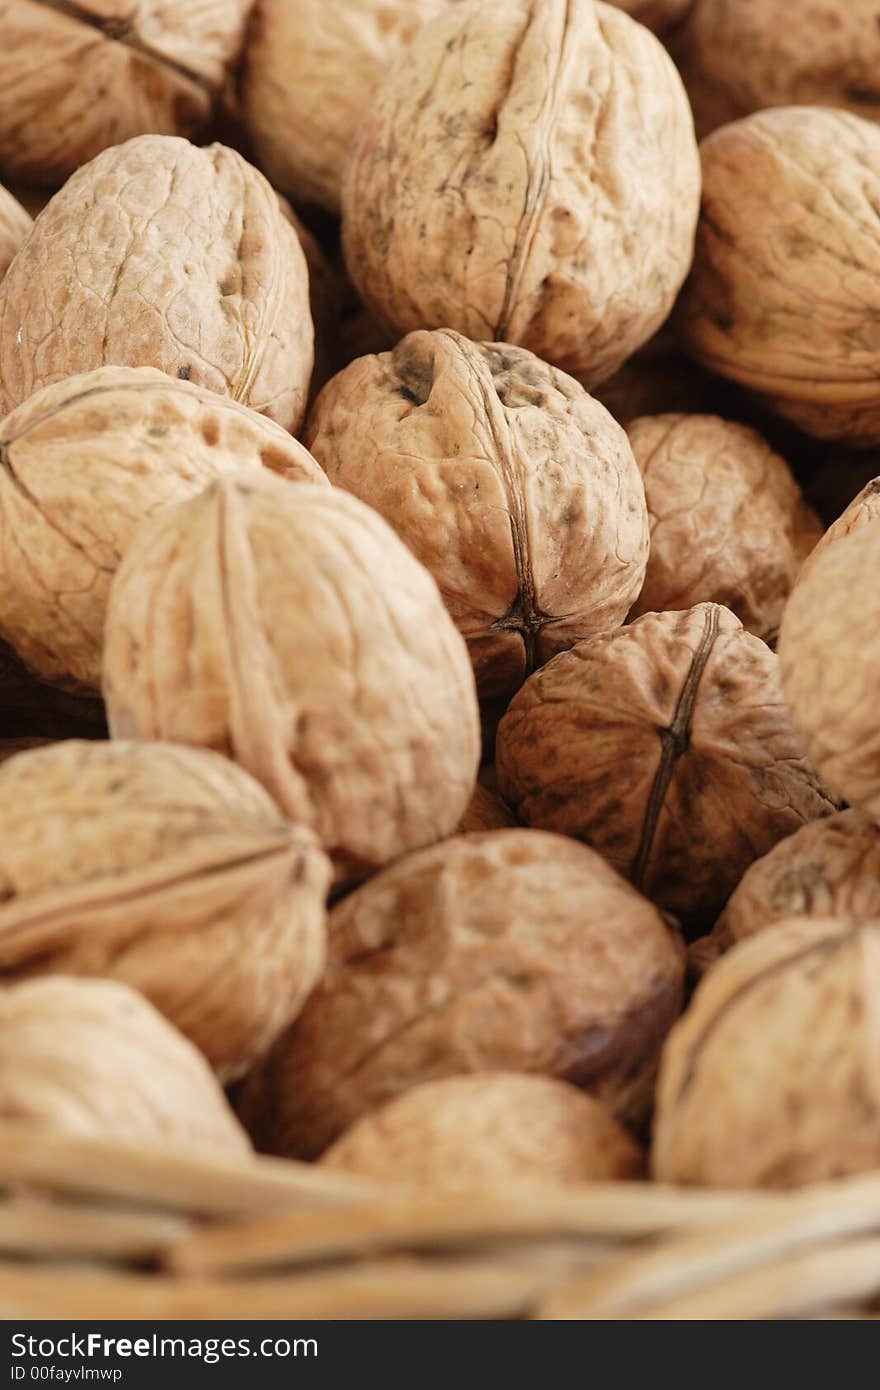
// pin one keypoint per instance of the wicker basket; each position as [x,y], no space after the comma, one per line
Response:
[90,1229]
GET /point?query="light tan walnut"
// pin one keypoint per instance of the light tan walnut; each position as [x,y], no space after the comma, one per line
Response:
[93,1057]
[508,951]
[666,746]
[467,1133]
[168,869]
[159,254]
[528,175]
[728,522]
[784,296]
[15,224]
[289,628]
[770,1077]
[863,509]
[486,812]
[79,75]
[828,651]
[515,488]
[81,464]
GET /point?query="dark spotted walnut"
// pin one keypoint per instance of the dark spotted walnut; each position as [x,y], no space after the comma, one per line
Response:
[511,950]
[666,746]
[515,488]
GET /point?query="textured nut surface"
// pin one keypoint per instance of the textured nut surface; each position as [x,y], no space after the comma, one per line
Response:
[169,869]
[79,75]
[515,488]
[486,812]
[862,509]
[728,522]
[747,55]
[296,55]
[81,464]
[289,628]
[94,1057]
[528,175]
[666,746]
[784,295]
[159,254]
[830,868]
[14,227]
[512,951]
[829,646]
[770,1079]
[471,1132]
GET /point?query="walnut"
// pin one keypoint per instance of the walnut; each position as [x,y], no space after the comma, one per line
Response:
[93,1057]
[769,1079]
[743,57]
[486,811]
[830,868]
[862,509]
[784,295]
[81,463]
[299,636]
[828,652]
[15,225]
[658,15]
[158,254]
[517,491]
[666,746]
[297,55]
[467,1133]
[510,951]
[728,522]
[169,869]
[75,78]
[528,175]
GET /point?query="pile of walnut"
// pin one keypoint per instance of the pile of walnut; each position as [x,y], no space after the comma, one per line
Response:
[392,727]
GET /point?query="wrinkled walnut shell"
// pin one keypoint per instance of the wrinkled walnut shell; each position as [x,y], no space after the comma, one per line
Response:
[81,464]
[15,224]
[666,746]
[770,1077]
[169,869]
[159,254]
[528,175]
[300,637]
[511,951]
[515,488]
[93,1057]
[467,1133]
[728,522]
[784,294]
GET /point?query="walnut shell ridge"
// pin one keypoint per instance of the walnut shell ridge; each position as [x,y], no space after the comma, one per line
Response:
[300,637]
[515,488]
[528,175]
[511,951]
[93,1057]
[769,1079]
[15,224]
[168,869]
[467,1133]
[159,254]
[667,746]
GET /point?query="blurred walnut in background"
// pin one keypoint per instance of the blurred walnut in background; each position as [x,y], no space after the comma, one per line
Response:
[15,223]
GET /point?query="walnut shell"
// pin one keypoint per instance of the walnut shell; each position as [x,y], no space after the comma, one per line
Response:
[516,490]
[829,650]
[299,636]
[158,254]
[666,746]
[83,463]
[784,295]
[298,54]
[93,1057]
[728,522]
[486,812]
[861,510]
[743,57]
[550,199]
[75,78]
[770,1077]
[15,224]
[169,869]
[511,951]
[467,1133]
[830,868]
